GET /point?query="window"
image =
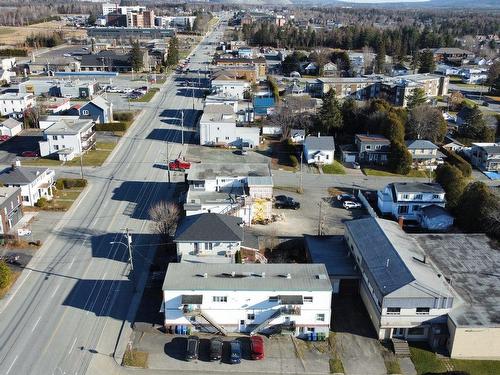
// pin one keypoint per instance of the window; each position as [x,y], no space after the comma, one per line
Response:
[250,316]
[56,147]
[26,198]
[416,331]
[393,310]
[406,196]
[403,209]
[310,329]
[368,147]
[435,196]
[219,298]
[208,246]
[320,317]
[418,197]
[308,299]
[54,137]
[85,112]
[273,299]
[423,311]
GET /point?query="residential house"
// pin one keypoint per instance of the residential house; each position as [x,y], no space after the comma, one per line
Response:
[263,103]
[224,85]
[247,298]
[330,69]
[405,296]
[486,156]
[405,199]
[15,103]
[453,55]
[297,135]
[434,217]
[35,182]
[11,208]
[218,127]
[319,149]
[10,127]
[244,190]
[372,148]
[425,154]
[68,138]
[98,109]
[208,238]
[56,105]
[310,68]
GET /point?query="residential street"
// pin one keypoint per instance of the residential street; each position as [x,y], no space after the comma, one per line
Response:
[69,305]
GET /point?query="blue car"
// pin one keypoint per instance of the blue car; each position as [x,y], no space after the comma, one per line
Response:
[235,356]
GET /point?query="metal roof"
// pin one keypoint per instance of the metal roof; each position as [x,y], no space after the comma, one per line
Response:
[210,171]
[209,227]
[373,138]
[10,123]
[69,127]
[319,143]
[247,277]
[418,187]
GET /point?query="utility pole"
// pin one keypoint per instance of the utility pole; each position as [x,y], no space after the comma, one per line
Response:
[182,126]
[129,246]
[320,220]
[301,175]
[81,165]
[168,163]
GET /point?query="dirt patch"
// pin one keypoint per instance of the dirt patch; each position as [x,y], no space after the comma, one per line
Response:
[17,35]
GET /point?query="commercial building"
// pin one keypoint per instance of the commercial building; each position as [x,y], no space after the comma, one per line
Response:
[60,88]
[125,33]
[247,298]
[111,61]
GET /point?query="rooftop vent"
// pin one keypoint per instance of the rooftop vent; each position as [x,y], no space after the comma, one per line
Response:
[288,276]
[321,276]
[263,274]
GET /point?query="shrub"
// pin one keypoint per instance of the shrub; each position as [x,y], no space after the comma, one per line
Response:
[112,127]
[123,116]
[59,184]
[237,257]
[294,161]
[69,183]
[41,202]
[14,52]
[453,183]
[456,160]
[5,274]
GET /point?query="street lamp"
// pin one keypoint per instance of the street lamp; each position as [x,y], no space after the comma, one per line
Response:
[129,247]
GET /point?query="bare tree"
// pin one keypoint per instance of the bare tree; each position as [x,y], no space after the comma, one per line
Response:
[293,113]
[425,122]
[164,217]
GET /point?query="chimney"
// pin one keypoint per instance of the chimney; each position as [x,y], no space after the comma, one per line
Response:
[263,274]
[13,165]
[288,276]
[205,275]
[233,274]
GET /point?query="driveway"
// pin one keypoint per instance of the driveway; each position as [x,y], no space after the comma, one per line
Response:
[12,149]
[357,345]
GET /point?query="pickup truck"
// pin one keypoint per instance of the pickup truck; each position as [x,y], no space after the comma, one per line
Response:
[178,165]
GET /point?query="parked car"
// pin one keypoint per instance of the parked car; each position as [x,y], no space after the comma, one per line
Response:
[282,201]
[356,165]
[350,204]
[30,154]
[192,349]
[257,347]
[179,165]
[345,197]
[4,138]
[67,54]
[21,232]
[242,151]
[235,356]
[216,345]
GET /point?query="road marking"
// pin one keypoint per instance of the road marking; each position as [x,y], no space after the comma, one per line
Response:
[55,291]
[71,264]
[72,346]
[38,321]
[12,364]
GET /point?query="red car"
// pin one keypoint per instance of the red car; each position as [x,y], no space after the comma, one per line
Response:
[179,165]
[257,347]
[4,138]
[30,154]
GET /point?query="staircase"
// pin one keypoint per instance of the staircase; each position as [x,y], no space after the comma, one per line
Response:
[261,258]
[208,319]
[401,348]
[266,322]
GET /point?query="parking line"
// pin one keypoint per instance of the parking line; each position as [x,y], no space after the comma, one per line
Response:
[72,346]
[55,291]
[12,364]
[38,321]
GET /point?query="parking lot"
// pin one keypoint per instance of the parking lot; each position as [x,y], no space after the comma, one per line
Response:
[12,149]
[282,355]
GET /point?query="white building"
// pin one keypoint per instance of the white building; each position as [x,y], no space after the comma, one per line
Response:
[229,87]
[218,128]
[319,150]
[243,190]
[10,127]
[248,298]
[35,183]
[405,199]
[15,103]
[68,138]
[115,8]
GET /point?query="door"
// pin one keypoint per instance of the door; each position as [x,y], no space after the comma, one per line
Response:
[399,333]
[242,326]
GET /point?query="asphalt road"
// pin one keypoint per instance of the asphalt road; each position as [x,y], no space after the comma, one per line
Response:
[67,308]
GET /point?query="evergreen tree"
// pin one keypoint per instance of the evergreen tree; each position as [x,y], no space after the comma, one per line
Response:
[173,52]
[91,20]
[330,116]
[237,257]
[380,57]
[415,98]
[400,158]
[453,183]
[474,127]
[393,128]
[426,62]
[136,56]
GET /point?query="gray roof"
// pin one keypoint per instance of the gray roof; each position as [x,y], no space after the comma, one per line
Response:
[69,127]
[106,58]
[7,192]
[490,148]
[433,210]
[471,262]
[100,102]
[248,277]
[421,144]
[372,138]
[260,180]
[209,227]
[207,171]
[319,143]
[418,187]
[20,175]
[10,123]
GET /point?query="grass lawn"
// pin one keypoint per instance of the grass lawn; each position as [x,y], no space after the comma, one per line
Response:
[392,366]
[424,360]
[41,162]
[383,172]
[135,358]
[95,157]
[148,96]
[335,362]
[335,168]
[13,278]
[63,199]
[476,367]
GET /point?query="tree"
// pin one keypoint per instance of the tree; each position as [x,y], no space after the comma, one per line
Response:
[426,62]
[173,52]
[91,20]
[164,217]
[399,158]
[330,116]
[380,58]
[273,85]
[474,127]
[425,122]
[291,63]
[237,257]
[393,128]
[5,274]
[416,97]
[453,183]
[136,56]
[494,77]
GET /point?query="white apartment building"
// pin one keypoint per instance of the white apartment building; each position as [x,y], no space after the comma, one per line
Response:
[218,128]
[228,87]
[405,199]
[15,103]
[249,298]
[68,138]
[241,190]
[35,183]
[404,294]
[115,8]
